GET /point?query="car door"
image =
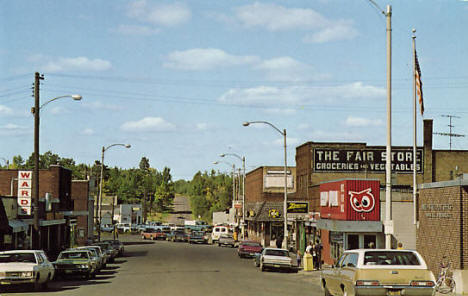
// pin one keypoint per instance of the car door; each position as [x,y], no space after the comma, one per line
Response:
[40,267]
[348,271]
[334,281]
[49,267]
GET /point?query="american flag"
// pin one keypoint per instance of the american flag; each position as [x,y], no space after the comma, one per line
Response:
[417,79]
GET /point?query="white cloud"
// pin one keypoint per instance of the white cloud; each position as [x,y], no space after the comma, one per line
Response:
[276,18]
[62,64]
[137,30]
[294,96]
[4,110]
[167,15]
[148,124]
[333,136]
[334,32]
[11,129]
[362,122]
[205,58]
[87,132]
[288,69]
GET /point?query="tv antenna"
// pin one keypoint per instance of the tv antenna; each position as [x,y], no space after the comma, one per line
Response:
[450,134]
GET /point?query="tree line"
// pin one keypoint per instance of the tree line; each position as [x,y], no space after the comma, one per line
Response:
[208,191]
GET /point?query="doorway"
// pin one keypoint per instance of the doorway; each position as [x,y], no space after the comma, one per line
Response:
[353,241]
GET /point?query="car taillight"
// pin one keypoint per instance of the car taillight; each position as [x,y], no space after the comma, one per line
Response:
[422,283]
[367,283]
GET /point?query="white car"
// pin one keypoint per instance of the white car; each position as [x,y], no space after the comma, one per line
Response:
[218,231]
[26,267]
[273,258]
[124,227]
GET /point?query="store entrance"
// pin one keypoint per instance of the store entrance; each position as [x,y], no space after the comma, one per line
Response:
[353,241]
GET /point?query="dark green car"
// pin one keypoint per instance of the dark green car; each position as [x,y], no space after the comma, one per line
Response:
[75,262]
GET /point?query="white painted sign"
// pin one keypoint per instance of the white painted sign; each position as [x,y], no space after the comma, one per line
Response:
[24,192]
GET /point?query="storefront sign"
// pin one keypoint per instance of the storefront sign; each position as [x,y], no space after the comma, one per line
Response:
[274,213]
[298,207]
[370,160]
[24,192]
[437,210]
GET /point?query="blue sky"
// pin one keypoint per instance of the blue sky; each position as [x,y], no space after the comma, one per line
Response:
[176,79]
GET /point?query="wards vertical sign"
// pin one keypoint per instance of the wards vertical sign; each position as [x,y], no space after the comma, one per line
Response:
[24,192]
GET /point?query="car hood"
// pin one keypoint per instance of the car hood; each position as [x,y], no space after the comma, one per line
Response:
[4,267]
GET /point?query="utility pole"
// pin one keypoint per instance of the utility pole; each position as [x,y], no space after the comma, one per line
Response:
[36,235]
[450,134]
[388,186]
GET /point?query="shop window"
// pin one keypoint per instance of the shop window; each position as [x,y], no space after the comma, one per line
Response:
[369,242]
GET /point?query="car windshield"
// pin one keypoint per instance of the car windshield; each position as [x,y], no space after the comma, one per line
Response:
[18,257]
[198,233]
[390,258]
[276,253]
[74,255]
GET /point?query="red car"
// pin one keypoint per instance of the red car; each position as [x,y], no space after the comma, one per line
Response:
[249,249]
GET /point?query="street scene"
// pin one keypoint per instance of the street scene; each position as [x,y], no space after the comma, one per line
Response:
[174,147]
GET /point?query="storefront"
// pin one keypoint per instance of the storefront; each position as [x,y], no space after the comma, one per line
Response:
[350,217]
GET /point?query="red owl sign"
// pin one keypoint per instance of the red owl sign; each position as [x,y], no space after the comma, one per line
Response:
[357,200]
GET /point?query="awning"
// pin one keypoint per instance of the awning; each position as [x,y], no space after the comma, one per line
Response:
[350,226]
[52,222]
[18,226]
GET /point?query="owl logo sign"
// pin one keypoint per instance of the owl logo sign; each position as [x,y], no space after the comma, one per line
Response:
[362,201]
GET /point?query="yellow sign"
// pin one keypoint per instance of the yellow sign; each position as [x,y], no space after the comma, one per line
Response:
[274,213]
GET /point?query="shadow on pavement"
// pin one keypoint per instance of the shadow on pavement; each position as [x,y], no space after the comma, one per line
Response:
[135,253]
[119,261]
[138,243]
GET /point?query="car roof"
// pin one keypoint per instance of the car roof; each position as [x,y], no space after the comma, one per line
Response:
[377,250]
[20,251]
[275,249]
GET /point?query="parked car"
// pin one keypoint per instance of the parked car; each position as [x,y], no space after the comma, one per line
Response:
[108,249]
[75,262]
[124,227]
[95,258]
[26,267]
[153,234]
[102,255]
[117,245]
[226,240]
[177,236]
[273,258]
[198,237]
[107,228]
[249,249]
[378,272]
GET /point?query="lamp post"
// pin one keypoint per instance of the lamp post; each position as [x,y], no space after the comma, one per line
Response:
[99,205]
[285,202]
[36,111]
[243,188]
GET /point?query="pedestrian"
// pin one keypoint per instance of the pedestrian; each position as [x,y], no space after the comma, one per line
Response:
[318,251]
[371,245]
[309,248]
[314,256]
[279,241]
[400,246]
[298,258]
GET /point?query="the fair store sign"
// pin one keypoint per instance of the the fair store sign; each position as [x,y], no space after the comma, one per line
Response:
[24,192]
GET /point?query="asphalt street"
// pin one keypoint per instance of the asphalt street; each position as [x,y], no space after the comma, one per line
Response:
[166,268]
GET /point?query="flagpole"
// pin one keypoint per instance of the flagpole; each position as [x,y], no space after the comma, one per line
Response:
[414,128]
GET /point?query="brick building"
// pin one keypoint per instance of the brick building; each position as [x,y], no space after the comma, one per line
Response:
[264,196]
[443,227]
[55,206]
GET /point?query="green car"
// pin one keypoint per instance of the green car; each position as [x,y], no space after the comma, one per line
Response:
[75,262]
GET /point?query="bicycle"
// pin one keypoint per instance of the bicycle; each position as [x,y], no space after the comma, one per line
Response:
[445,283]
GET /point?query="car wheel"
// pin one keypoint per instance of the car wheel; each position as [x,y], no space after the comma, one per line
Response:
[262,268]
[45,285]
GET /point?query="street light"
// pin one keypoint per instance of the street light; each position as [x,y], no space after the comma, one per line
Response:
[99,204]
[243,188]
[285,204]
[36,111]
